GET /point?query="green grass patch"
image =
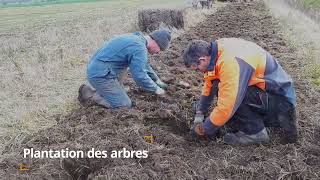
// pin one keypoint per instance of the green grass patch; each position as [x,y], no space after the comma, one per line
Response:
[53,2]
[315,4]
[313,72]
[71,11]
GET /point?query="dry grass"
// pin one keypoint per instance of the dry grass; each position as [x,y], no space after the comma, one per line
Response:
[44,52]
[302,33]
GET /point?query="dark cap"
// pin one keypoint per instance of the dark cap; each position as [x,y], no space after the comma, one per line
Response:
[162,38]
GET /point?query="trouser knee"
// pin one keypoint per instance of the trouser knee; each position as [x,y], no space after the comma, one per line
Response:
[111,91]
[249,116]
[248,126]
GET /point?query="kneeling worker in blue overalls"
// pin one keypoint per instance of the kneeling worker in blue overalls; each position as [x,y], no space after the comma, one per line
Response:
[107,68]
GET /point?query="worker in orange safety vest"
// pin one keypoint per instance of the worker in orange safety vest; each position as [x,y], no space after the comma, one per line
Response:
[253,92]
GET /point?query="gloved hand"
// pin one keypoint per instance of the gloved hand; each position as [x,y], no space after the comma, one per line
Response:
[197,131]
[161,84]
[204,130]
[160,91]
[198,118]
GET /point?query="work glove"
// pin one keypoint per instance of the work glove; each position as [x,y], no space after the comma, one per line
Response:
[204,130]
[198,118]
[161,84]
[197,131]
[160,91]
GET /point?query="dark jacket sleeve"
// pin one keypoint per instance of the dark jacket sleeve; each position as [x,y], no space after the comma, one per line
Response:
[206,101]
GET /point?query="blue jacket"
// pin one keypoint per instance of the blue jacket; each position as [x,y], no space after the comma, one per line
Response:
[121,52]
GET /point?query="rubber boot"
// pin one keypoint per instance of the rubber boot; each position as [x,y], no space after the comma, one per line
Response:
[240,138]
[84,94]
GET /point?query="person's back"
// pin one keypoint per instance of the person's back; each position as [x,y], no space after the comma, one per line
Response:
[240,47]
[268,73]
[117,54]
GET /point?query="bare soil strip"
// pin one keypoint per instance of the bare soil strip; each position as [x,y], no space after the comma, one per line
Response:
[172,155]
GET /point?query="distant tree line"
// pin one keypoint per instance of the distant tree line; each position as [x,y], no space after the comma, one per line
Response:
[5,2]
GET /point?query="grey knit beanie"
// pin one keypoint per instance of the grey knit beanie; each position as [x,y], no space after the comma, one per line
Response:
[162,38]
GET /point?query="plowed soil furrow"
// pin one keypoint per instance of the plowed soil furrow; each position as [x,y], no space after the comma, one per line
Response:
[172,155]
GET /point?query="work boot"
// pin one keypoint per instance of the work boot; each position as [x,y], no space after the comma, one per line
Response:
[85,94]
[88,97]
[240,138]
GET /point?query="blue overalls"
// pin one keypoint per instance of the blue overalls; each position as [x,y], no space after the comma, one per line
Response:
[112,61]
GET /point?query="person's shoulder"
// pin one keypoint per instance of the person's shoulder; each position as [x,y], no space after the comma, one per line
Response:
[226,61]
[139,37]
[137,33]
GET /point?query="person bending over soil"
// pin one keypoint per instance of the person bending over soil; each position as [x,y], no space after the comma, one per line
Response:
[253,92]
[108,66]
